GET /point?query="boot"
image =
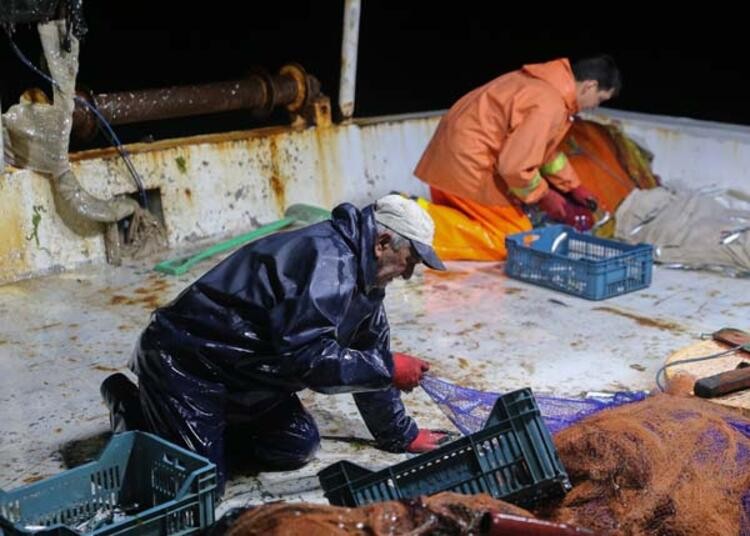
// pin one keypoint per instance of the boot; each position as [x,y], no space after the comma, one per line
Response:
[121,397]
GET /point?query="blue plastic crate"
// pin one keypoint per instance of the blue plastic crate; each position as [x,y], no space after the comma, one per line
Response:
[560,258]
[513,458]
[171,489]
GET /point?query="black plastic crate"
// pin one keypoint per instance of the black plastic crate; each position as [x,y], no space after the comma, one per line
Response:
[512,458]
[174,488]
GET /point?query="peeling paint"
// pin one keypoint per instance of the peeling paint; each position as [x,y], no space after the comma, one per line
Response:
[181,164]
[12,223]
[36,219]
[259,172]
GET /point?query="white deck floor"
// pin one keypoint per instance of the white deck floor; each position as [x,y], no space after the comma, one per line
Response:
[60,336]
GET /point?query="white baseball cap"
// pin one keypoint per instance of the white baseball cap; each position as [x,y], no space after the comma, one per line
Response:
[405,217]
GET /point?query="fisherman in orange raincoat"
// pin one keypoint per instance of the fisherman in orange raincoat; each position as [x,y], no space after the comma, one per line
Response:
[497,149]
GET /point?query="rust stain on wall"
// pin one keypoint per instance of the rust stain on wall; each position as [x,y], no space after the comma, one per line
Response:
[279,191]
[329,172]
[209,139]
[276,181]
[12,243]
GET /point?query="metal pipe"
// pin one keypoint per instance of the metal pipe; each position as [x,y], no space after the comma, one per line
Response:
[179,101]
[259,92]
[349,48]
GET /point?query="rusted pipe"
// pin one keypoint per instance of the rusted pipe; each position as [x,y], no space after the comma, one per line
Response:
[260,92]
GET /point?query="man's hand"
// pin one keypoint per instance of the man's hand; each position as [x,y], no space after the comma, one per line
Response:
[553,204]
[568,211]
[584,198]
[408,371]
[426,441]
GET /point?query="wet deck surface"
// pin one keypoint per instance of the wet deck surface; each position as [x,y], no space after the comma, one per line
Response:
[60,336]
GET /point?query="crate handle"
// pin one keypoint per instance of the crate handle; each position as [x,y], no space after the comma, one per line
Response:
[173,461]
[559,240]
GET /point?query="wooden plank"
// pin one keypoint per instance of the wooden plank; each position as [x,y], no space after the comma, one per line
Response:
[701,369]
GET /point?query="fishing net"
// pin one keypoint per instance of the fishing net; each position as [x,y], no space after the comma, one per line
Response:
[668,464]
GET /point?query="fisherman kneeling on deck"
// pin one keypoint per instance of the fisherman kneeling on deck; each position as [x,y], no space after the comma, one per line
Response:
[296,310]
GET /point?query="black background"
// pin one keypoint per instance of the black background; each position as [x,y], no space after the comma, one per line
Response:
[413,56]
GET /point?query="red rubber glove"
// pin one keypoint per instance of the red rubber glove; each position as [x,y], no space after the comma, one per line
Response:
[408,371]
[584,198]
[578,217]
[426,441]
[553,204]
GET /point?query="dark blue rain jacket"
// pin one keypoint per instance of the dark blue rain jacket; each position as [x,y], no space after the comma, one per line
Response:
[292,311]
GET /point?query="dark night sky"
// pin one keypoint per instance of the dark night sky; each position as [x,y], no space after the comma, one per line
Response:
[414,56]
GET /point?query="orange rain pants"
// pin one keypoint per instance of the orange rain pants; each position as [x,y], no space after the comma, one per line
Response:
[467,230]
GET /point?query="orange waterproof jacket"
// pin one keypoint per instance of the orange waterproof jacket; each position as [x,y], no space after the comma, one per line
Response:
[501,138]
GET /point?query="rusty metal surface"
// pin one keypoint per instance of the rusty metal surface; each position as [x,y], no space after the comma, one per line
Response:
[85,124]
[305,87]
[259,92]
[212,186]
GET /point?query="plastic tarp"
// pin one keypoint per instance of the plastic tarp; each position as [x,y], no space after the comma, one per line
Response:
[705,229]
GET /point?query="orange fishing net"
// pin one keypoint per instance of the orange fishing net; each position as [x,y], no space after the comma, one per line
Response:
[670,465]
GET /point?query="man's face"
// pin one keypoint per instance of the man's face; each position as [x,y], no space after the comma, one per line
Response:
[589,95]
[393,263]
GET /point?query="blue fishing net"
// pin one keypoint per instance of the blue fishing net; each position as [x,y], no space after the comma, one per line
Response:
[468,409]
